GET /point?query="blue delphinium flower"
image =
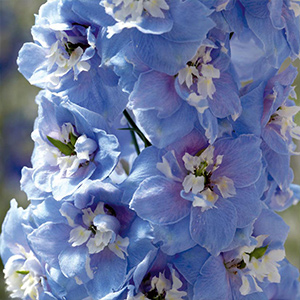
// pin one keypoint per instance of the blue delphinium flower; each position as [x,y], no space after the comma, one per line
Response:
[205,89]
[156,277]
[208,188]
[288,287]
[246,271]
[165,34]
[71,146]
[64,58]
[26,276]
[265,34]
[155,29]
[91,237]
[273,119]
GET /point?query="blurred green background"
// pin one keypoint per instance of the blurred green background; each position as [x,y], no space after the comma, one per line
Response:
[18,111]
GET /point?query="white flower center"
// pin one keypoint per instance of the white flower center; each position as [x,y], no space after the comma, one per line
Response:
[199,72]
[23,275]
[68,150]
[284,118]
[257,264]
[163,287]
[66,54]
[99,232]
[198,180]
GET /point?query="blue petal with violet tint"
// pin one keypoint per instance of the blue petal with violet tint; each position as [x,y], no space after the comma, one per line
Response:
[273,225]
[12,232]
[292,30]
[117,45]
[95,97]
[241,238]
[277,166]
[158,200]
[253,105]
[140,242]
[155,90]
[225,100]
[257,8]
[94,189]
[32,69]
[214,228]
[28,186]
[241,161]
[73,260]
[247,204]
[289,286]
[275,44]
[189,263]
[163,132]
[143,267]
[92,12]
[191,22]
[161,54]
[109,274]
[212,283]
[275,8]
[143,167]
[175,238]
[49,240]
[210,124]
[63,186]
[47,210]
[107,156]
[152,25]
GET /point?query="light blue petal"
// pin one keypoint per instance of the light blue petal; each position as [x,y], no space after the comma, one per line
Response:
[214,228]
[175,238]
[48,240]
[158,200]
[247,204]
[72,262]
[163,132]
[189,263]
[213,282]
[155,90]
[241,161]
[109,274]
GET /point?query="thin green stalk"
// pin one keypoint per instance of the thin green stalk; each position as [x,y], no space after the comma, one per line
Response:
[135,143]
[136,129]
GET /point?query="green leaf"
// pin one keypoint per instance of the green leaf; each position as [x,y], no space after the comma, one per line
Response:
[22,272]
[258,252]
[63,148]
[73,138]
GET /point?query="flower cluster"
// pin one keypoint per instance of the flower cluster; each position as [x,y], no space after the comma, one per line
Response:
[162,152]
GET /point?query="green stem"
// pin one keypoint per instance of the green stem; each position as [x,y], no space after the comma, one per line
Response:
[136,129]
[135,143]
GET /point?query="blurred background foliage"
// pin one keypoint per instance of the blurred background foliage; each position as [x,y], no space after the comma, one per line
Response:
[18,111]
